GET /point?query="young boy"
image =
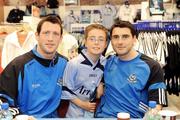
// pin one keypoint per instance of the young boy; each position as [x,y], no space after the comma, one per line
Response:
[83,74]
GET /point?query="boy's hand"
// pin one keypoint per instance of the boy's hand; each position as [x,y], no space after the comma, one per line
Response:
[86,105]
[89,106]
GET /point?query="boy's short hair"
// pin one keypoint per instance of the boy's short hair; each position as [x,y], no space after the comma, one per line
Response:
[95,26]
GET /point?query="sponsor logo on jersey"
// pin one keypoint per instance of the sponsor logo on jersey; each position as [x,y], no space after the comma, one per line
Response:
[92,75]
[83,90]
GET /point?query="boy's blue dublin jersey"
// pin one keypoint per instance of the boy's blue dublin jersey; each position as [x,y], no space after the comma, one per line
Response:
[129,85]
[81,77]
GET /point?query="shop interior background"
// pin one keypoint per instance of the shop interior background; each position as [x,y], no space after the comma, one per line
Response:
[66,6]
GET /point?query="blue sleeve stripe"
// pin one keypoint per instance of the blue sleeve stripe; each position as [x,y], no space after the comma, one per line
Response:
[157,86]
[10,101]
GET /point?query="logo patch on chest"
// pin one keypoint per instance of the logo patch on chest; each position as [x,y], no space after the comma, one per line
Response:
[35,85]
[132,78]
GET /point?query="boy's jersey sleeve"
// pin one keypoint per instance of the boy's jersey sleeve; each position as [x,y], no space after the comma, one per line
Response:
[69,78]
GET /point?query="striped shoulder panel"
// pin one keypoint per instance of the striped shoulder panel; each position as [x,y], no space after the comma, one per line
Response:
[156,74]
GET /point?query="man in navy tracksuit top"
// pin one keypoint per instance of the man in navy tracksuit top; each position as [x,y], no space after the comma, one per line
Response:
[32,82]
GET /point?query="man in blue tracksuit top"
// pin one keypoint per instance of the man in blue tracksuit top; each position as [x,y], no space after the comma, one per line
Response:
[131,78]
[32,82]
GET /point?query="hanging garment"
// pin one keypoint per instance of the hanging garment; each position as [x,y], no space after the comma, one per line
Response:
[28,10]
[15,16]
[108,12]
[172,74]
[163,46]
[68,20]
[13,48]
[42,11]
[127,13]
[96,16]
[52,4]
[153,44]
[178,4]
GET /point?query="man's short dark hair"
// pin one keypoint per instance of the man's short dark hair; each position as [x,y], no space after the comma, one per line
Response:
[52,19]
[123,24]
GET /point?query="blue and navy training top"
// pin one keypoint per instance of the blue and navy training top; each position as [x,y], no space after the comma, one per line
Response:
[33,84]
[129,85]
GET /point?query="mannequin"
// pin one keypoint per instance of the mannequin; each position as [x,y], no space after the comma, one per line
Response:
[68,46]
[126,12]
[17,43]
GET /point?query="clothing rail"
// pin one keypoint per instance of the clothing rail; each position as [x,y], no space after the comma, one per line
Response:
[165,25]
[161,41]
